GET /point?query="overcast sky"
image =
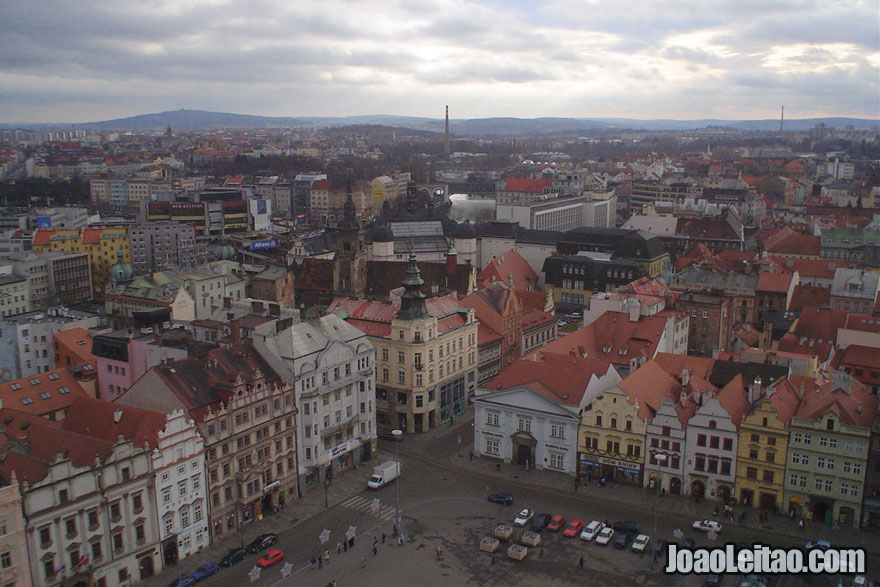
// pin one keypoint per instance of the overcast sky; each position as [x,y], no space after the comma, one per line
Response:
[85,60]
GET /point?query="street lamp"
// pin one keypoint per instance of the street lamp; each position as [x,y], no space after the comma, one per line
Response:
[398,434]
[660,460]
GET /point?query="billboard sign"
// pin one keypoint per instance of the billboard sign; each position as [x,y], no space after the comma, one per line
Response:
[269,243]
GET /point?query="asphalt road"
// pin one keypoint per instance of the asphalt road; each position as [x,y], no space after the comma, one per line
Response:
[449,510]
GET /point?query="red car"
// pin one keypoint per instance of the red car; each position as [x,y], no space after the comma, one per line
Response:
[573,529]
[270,558]
[556,523]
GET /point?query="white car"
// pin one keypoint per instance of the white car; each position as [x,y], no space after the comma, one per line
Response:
[605,536]
[640,543]
[523,517]
[707,526]
[591,530]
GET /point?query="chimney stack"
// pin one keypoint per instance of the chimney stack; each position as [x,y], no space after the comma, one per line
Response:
[446,138]
[685,377]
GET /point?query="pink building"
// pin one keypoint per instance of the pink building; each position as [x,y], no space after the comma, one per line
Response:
[123,357]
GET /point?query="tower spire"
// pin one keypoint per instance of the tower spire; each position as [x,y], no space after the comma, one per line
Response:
[446,139]
[412,302]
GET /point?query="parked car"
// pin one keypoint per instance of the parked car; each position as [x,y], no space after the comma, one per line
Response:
[556,523]
[623,539]
[270,558]
[184,581]
[640,544]
[235,555]
[540,522]
[205,571]
[630,527]
[592,530]
[524,516]
[707,526]
[262,542]
[658,548]
[688,544]
[391,437]
[573,529]
[502,498]
[818,544]
[605,536]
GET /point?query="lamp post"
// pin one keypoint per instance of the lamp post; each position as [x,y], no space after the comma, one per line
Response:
[660,460]
[398,434]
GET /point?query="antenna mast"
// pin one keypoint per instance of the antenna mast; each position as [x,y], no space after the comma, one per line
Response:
[781,118]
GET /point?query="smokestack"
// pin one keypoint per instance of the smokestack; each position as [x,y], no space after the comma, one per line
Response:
[446,139]
[781,118]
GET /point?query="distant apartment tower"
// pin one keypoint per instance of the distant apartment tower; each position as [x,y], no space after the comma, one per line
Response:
[27,339]
[53,278]
[162,246]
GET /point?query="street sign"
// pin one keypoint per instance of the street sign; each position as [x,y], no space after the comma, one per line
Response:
[324,536]
[351,532]
[459,439]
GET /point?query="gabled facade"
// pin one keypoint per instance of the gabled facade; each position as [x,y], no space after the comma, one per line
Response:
[611,438]
[828,451]
[524,426]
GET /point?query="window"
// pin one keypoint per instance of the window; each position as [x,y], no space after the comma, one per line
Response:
[768,476]
[115,511]
[713,442]
[614,423]
[492,419]
[701,440]
[96,550]
[181,487]
[524,425]
[751,473]
[599,420]
[118,543]
[557,461]
[491,447]
[401,356]
[401,377]
[70,527]
[93,519]
[557,431]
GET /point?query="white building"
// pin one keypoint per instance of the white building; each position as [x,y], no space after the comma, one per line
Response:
[332,365]
[91,517]
[523,426]
[181,489]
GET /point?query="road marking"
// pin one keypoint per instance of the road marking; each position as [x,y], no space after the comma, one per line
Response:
[363,504]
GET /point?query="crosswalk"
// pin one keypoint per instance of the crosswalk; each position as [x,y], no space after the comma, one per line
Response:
[364,504]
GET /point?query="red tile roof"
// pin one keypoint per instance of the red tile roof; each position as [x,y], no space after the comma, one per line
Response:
[321,184]
[376,317]
[862,322]
[803,296]
[108,421]
[43,237]
[613,337]
[791,343]
[856,408]
[856,355]
[734,399]
[53,391]
[527,184]
[795,244]
[818,268]
[774,282]
[558,378]
[820,325]
[504,265]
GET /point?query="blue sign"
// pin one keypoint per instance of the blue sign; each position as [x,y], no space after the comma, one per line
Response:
[261,206]
[44,222]
[269,243]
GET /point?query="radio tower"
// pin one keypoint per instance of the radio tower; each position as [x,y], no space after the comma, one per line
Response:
[446,139]
[781,118]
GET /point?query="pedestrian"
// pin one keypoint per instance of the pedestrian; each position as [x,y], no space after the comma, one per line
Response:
[338,548]
[541,553]
[363,563]
[326,555]
[375,541]
[801,524]
[471,455]
[400,539]
[438,553]
[383,537]
[498,467]
[320,562]
[375,550]
[351,542]
[581,563]
[313,562]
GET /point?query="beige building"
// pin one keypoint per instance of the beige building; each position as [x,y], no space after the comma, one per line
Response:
[14,562]
[426,355]
[15,295]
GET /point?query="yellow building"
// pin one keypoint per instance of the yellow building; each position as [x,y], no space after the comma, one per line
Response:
[763,447]
[611,438]
[426,355]
[106,245]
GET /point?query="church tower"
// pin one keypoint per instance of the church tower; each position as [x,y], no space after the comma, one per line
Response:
[350,267]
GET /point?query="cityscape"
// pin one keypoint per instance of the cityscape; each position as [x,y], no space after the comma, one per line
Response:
[558,338]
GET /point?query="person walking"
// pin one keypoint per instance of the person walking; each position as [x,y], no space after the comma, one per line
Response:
[383,537]
[400,539]
[581,563]
[375,550]
[320,562]
[313,562]
[338,548]
[363,563]
[438,553]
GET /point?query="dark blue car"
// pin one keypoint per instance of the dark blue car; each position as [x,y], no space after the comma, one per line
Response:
[185,581]
[205,571]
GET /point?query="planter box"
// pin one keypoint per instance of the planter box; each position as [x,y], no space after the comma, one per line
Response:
[517,551]
[503,532]
[531,539]
[489,544]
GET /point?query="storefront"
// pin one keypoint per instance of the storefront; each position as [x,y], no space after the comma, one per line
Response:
[616,470]
[452,399]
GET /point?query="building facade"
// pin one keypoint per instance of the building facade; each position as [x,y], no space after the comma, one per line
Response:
[15,567]
[523,426]
[162,246]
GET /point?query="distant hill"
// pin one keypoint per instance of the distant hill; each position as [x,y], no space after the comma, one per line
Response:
[185,119]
